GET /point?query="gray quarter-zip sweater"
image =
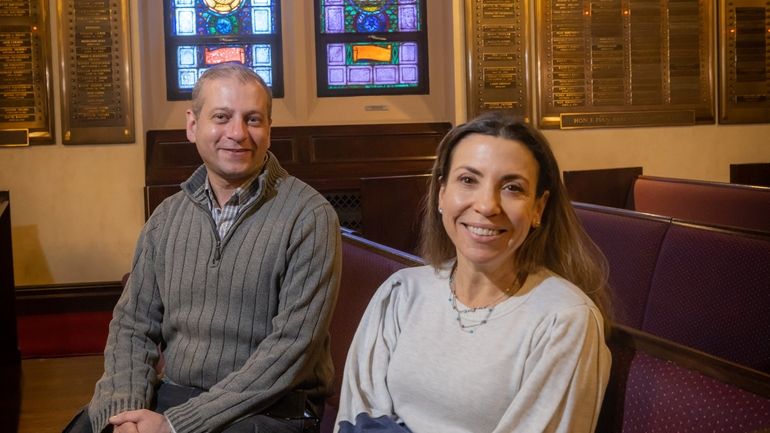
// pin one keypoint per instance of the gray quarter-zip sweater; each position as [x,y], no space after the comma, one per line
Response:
[245,317]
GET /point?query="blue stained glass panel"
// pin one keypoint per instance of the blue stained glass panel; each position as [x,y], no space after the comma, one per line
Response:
[261,55]
[185,21]
[187,56]
[266,74]
[261,21]
[187,78]
[184,3]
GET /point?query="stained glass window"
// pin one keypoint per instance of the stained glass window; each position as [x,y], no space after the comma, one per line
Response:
[203,33]
[371,47]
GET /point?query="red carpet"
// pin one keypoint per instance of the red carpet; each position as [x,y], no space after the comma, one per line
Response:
[65,334]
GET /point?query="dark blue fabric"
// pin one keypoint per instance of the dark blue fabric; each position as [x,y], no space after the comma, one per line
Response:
[367,424]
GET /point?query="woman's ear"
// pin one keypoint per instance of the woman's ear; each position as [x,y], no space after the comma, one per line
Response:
[540,204]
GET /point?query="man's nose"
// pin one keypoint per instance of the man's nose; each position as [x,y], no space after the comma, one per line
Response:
[237,130]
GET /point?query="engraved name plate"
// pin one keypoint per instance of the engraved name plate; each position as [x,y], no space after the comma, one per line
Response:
[497,37]
[26,113]
[744,93]
[610,63]
[96,66]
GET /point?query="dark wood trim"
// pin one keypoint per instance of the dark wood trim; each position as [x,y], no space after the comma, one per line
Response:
[751,174]
[621,212]
[707,183]
[607,186]
[720,369]
[67,298]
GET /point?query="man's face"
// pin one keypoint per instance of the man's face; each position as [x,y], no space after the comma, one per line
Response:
[232,131]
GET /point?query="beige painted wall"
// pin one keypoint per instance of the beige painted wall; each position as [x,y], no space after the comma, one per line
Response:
[77,210]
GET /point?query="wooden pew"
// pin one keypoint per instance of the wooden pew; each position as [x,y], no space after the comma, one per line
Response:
[704,202]
[701,286]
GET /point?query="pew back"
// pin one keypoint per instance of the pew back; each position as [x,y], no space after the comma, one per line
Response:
[365,265]
[714,203]
[698,285]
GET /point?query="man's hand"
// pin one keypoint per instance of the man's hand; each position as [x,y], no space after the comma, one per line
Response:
[140,421]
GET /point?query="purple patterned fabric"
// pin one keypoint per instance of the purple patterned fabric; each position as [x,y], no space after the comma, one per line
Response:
[663,397]
[711,291]
[631,244]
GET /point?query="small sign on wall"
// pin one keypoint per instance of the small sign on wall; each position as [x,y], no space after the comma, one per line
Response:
[97,100]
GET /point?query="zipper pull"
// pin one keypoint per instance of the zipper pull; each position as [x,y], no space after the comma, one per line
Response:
[217,253]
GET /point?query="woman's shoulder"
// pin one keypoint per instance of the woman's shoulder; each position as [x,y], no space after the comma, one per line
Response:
[412,284]
[554,293]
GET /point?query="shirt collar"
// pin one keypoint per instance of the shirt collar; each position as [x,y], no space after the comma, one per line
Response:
[242,194]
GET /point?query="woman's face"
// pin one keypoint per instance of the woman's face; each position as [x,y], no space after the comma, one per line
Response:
[488,199]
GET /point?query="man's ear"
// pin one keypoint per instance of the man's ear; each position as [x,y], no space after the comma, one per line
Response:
[191,125]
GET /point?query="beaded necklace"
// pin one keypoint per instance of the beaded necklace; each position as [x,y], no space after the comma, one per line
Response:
[466,324]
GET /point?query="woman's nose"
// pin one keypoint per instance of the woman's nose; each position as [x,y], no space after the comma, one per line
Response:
[487,202]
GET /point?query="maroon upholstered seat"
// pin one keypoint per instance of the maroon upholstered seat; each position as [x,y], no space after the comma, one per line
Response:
[711,291]
[660,386]
[664,397]
[631,242]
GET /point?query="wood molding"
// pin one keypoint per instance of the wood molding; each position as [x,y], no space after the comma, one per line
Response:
[67,298]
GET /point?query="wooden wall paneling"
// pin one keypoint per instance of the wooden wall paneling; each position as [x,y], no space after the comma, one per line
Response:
[757,174]
[332,158]
[391,210]
[607,187]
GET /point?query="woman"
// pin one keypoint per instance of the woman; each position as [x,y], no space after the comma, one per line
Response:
[503,331]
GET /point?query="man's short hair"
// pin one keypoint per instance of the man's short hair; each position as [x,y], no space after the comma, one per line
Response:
[229,70]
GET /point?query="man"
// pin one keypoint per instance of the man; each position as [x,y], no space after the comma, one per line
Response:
[234,280]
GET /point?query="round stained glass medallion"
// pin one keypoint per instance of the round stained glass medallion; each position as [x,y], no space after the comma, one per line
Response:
[371,23]
[223,6]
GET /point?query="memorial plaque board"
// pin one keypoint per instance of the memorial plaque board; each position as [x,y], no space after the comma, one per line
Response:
[611,63]
[744,91]
[26,113]
[497,35]
[97,101]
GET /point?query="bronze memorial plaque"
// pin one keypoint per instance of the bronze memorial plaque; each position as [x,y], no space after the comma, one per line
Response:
[744,91]
[611,63]
[96,70]
[26,113]
[497,41]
